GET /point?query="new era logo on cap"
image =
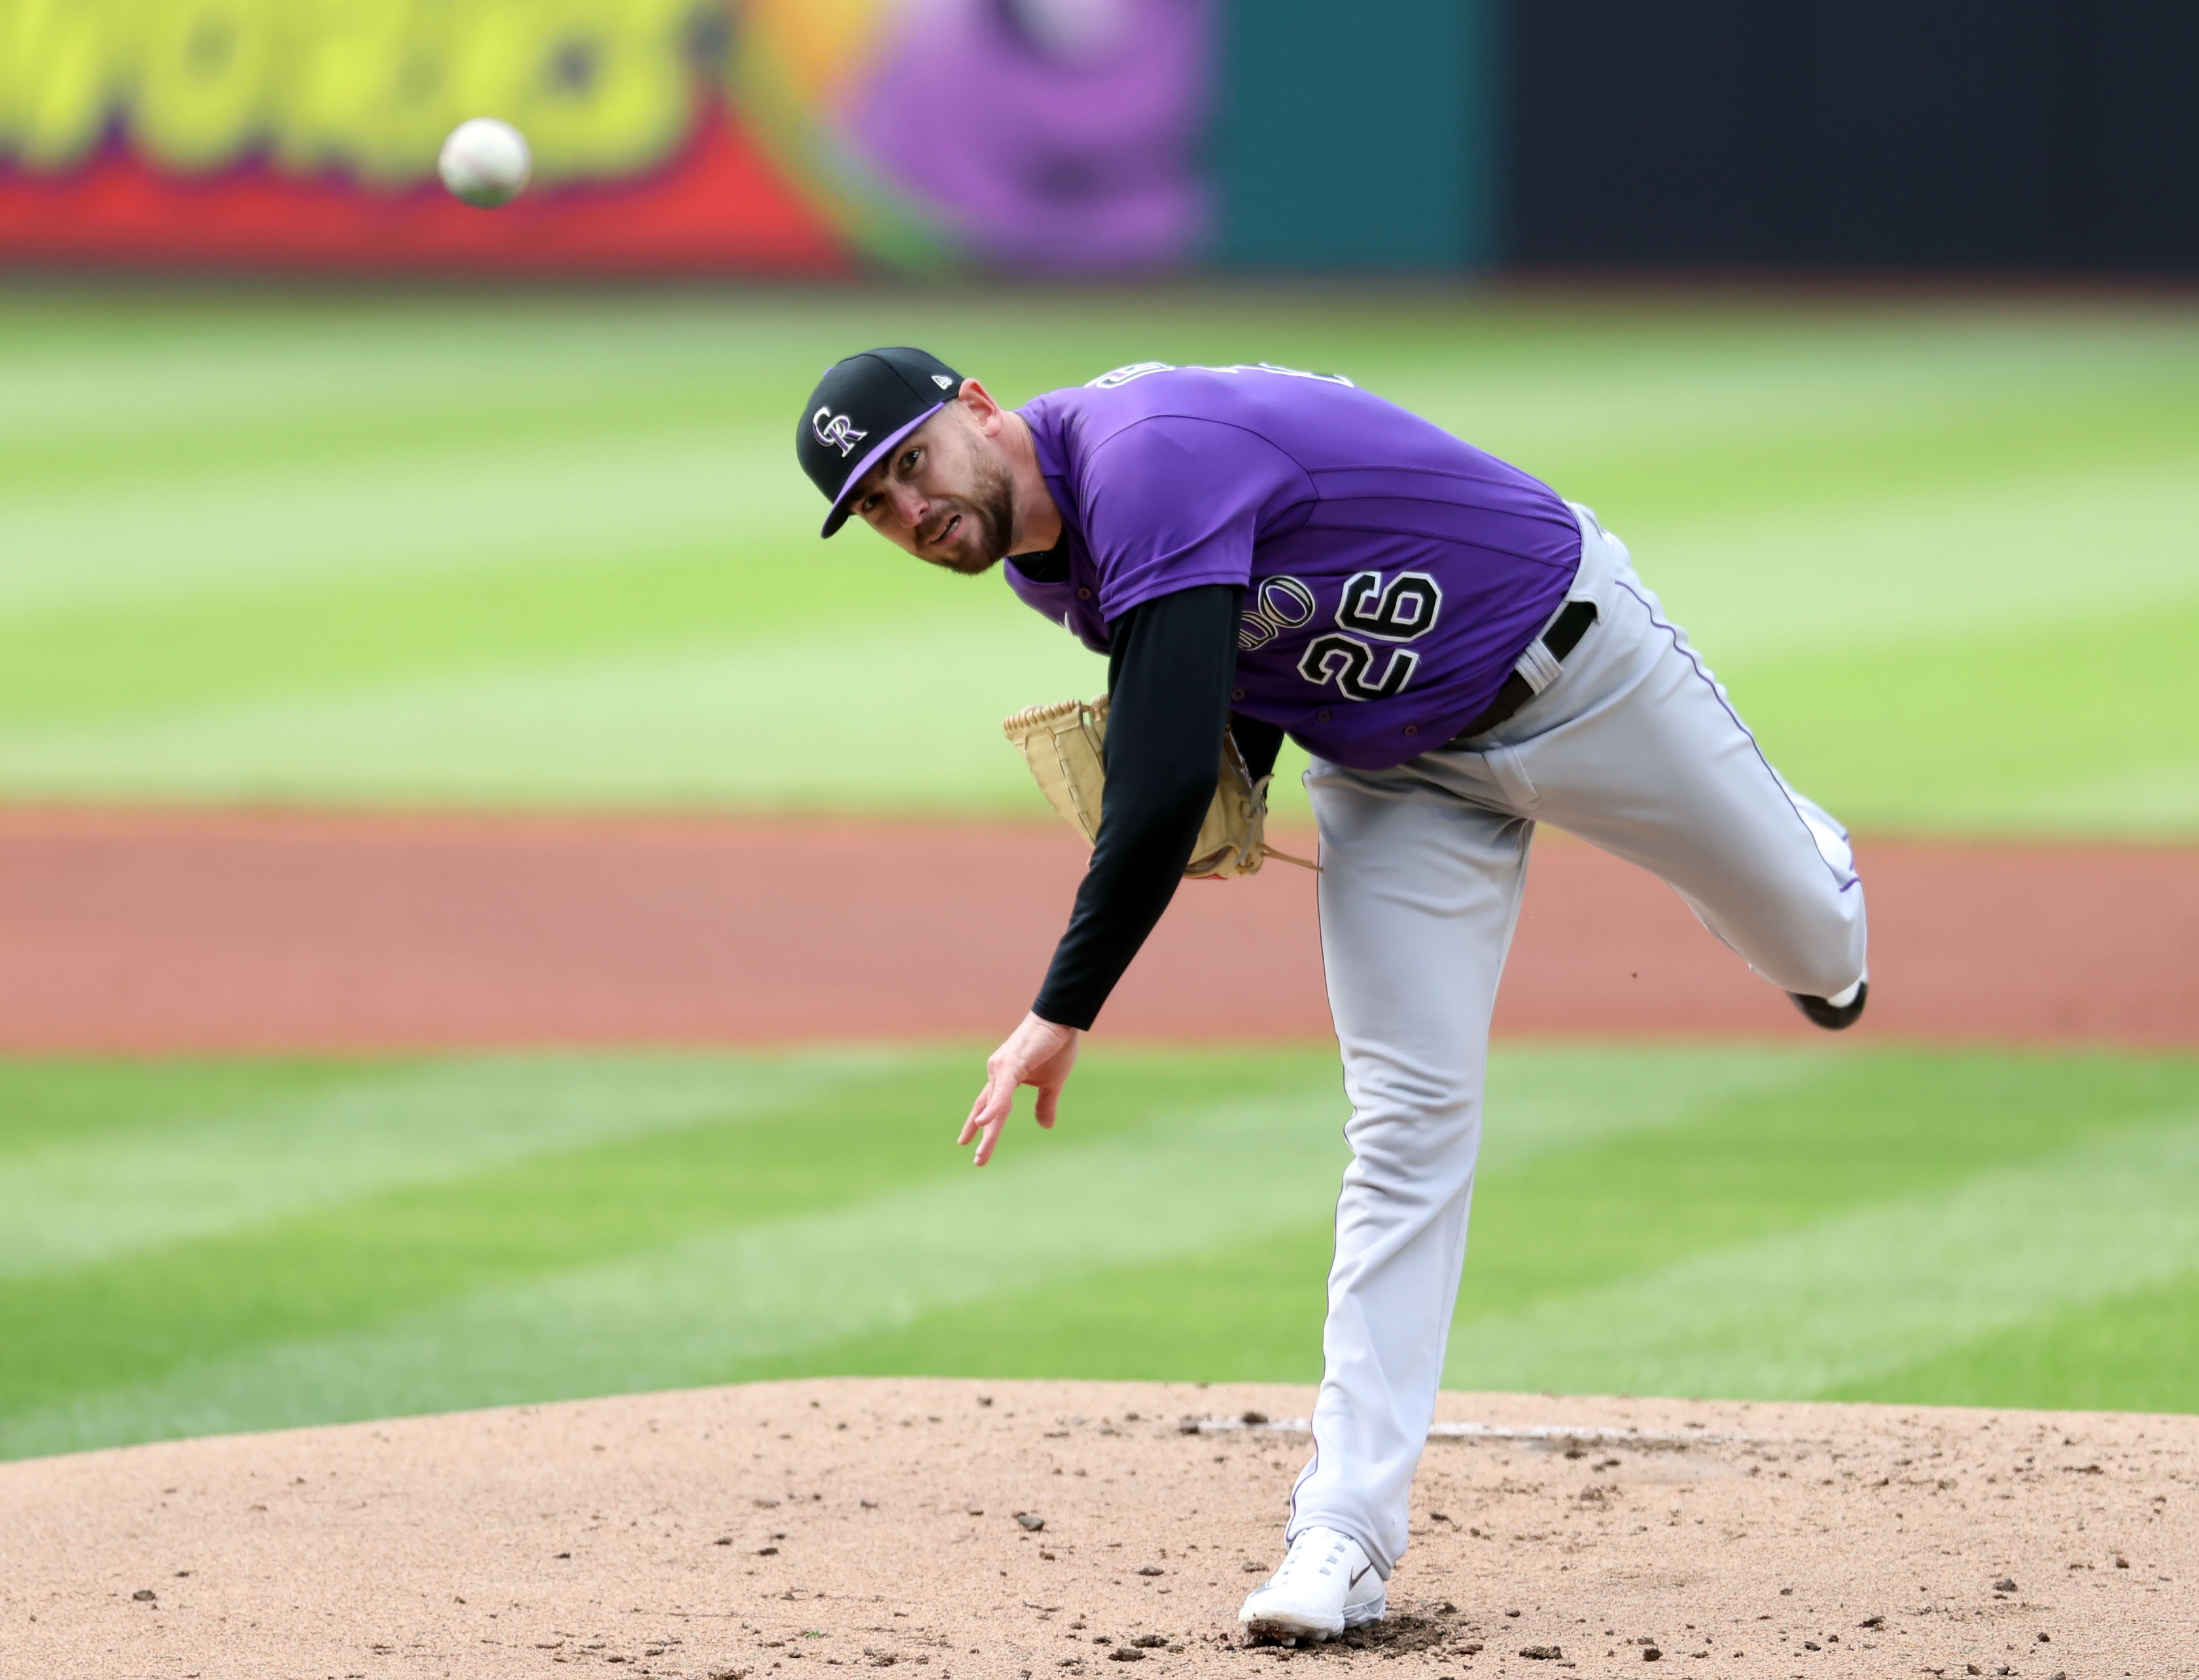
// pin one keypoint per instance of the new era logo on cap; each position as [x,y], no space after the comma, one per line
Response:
[860,409]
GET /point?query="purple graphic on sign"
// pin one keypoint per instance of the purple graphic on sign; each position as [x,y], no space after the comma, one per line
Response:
[1058,135]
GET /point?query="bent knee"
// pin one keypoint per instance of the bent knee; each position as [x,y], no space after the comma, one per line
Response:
[1821,946]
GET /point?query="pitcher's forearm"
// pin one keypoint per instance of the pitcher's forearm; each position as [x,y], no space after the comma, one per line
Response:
[1169,709]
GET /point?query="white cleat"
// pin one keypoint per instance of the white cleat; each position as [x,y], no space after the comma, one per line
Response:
[1326,1583]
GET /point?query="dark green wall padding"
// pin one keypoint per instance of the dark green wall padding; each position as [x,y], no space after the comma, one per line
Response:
[1352,137]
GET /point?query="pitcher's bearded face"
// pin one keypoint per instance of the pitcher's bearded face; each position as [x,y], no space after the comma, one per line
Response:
[944,495]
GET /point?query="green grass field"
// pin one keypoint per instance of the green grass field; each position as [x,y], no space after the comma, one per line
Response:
[200,1248]
[492,550]
[554,550]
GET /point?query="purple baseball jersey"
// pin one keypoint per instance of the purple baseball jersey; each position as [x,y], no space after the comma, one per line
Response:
[1392,574]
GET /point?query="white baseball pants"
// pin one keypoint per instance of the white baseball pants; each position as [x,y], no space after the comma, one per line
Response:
[1633,746]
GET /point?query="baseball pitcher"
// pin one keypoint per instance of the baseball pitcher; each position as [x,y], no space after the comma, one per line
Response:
[1262,551]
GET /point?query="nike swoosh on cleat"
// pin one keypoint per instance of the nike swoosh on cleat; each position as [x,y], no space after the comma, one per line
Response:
[1361,1575]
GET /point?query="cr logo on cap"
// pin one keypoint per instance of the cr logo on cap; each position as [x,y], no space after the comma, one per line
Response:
[835,429]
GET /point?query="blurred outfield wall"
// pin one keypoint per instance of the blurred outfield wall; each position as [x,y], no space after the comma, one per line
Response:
[755,136]
[819,137]
[2039,136]
[725,136]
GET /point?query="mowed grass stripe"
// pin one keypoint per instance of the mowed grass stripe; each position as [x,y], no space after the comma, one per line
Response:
[1567,388]
[1915,386]
[165,1181]
[727,714]
[1910,567]
[234,476]
[151,366]
[1865,1130]
[1172,1235]
[492,505]
[2156,801]
[1847,1136]
[362,420]
[683,1259]
[380,638]
[1787,458]
[692,1312]
[2034,759]
[1177,1225]
[461,490]
[2126,1349]
[68,1103]
[384,507]
[781,723]
[410,1247]
[1842,1301]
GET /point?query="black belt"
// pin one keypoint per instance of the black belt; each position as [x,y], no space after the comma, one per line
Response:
[1561,637]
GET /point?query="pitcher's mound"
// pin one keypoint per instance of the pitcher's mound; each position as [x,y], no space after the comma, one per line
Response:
[1030,1528]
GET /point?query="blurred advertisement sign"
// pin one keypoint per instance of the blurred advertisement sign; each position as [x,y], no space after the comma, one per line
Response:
[1037,134]
[696,135]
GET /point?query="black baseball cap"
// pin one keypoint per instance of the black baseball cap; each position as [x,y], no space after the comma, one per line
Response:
[861,408]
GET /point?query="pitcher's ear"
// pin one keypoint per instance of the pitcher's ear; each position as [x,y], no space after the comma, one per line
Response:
[984,411]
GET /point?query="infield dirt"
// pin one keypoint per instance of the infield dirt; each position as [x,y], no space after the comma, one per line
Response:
[180,931]
[1028,1529]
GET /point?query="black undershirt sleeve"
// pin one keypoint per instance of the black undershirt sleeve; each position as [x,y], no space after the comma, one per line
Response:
[1170,668]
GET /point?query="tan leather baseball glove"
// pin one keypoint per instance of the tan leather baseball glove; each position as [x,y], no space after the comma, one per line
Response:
[1061,743]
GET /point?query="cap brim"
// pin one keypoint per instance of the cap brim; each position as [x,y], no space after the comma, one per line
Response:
[838,515]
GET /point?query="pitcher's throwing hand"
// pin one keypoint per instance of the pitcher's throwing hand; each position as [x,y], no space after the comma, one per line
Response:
[1038,1052]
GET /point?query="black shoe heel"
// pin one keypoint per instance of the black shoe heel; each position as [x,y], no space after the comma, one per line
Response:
[1825,1015]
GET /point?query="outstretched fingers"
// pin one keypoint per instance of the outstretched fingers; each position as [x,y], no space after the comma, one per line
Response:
[987,1115]
[1038,1053]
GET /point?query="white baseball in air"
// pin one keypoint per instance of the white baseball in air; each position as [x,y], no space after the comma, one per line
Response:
[485,162]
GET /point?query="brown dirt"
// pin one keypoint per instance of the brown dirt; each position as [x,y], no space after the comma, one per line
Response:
[772,1530]
[139,932]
